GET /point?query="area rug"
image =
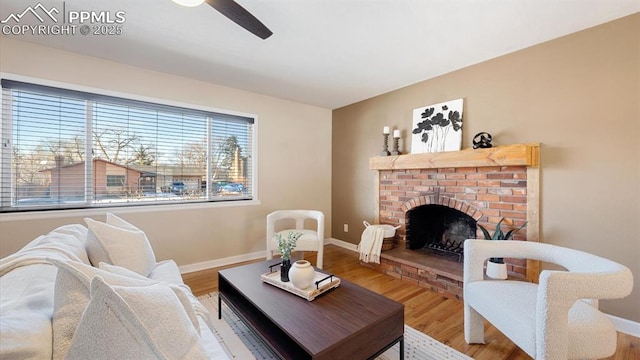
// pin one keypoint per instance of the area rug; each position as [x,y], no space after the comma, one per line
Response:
[241,343]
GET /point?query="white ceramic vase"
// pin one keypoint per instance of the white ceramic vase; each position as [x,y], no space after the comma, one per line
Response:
[302,274]
[496,271]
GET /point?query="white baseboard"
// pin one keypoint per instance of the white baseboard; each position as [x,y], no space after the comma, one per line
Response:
[622,325]
[248,257]
[221,262]
[626,326]
[342,244]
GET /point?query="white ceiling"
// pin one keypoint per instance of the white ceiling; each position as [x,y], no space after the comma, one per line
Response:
[328,53]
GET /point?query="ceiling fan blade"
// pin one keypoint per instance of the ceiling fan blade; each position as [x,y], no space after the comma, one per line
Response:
[241,16]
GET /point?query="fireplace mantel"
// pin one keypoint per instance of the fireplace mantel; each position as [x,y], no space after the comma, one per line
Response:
[505,155]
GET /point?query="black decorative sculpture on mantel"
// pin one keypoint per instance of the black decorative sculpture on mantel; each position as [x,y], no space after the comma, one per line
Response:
[482,140]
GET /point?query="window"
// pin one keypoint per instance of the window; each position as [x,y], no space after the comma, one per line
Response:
[68,149]
[115,180]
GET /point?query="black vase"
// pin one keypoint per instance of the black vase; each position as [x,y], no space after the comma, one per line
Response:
[285,265]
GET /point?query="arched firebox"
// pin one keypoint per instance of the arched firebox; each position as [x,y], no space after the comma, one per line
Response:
[439,228]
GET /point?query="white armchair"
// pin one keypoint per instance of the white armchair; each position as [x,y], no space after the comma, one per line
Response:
[555,319]
[311,240]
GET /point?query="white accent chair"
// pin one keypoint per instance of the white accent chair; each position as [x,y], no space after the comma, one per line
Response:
[311,240]
[555,319]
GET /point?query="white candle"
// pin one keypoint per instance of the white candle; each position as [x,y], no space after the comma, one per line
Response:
[385,130]
[396,133]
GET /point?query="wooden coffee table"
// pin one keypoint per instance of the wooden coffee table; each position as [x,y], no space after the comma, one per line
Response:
[349,322]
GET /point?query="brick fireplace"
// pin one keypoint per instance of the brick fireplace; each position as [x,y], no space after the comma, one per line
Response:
[483,184]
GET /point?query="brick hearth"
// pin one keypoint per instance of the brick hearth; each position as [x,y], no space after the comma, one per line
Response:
[486,184]
[438,273]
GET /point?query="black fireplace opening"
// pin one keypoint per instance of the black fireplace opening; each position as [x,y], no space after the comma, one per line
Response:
[439,228]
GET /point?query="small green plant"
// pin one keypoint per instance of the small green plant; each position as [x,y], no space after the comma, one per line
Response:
[498,234]
[286,245]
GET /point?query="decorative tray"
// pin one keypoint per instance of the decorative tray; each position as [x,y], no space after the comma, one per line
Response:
[321,284]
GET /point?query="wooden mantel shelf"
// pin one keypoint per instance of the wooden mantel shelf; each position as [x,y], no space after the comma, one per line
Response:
[505,155]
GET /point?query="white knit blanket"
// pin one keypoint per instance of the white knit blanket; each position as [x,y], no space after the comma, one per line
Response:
[27,294]
[371,243]
[64,243]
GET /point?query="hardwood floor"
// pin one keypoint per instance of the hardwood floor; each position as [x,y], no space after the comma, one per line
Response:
[437,316]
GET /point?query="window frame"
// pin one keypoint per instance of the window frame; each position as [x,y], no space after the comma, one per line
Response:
[97,208]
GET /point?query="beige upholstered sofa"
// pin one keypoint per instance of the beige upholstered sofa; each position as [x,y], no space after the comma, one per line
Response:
[96,291]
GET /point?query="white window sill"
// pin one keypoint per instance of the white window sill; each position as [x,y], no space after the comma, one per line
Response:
[57,214]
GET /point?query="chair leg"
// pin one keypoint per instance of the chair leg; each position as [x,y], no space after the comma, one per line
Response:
[473,326]
[319,259]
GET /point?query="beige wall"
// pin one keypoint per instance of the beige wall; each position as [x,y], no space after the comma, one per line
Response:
[579,96]
[294,157]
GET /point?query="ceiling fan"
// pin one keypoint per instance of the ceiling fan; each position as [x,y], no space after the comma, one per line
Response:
[235,13]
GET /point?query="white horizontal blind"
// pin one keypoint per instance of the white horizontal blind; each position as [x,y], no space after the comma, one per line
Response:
[140,153]
[42,134]
[231,155]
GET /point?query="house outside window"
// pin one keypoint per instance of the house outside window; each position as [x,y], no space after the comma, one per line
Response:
[138,151]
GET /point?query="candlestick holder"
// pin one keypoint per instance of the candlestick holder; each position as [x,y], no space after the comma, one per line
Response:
[396,150]
[385,148]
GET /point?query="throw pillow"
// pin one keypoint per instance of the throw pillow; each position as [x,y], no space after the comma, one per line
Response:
[116,221]
[124,323]
[71,296]
[188,300]
[122,271]
[115,245]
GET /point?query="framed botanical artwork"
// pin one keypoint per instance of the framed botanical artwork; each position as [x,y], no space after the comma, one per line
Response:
[437,127]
